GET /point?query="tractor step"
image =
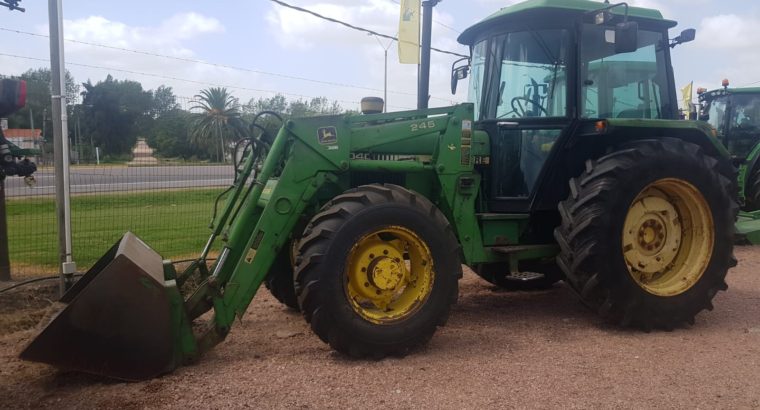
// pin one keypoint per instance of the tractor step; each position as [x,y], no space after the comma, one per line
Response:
[516,250]
[525,276]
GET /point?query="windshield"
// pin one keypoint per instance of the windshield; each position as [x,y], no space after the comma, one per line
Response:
[745,112]
[527,75]
[744,123]
[627,85]
[716,114]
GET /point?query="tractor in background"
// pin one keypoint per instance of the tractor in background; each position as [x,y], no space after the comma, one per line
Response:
[734,114]
[567,163]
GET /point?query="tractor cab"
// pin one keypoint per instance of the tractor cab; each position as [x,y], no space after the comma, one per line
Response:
[735,114]
[542,69]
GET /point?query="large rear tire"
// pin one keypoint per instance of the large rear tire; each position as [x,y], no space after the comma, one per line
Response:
[647,233]
[377,271]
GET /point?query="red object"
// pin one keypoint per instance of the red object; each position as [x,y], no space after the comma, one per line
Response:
[725,82]
[21,102]
[601,126]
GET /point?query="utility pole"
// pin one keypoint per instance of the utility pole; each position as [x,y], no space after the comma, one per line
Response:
[61,144]
[423,90]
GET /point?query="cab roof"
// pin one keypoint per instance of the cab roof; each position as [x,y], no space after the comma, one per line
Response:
[745,90]
[713,94]
[532,8]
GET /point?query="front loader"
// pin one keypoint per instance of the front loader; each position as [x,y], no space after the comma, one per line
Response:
[568,163]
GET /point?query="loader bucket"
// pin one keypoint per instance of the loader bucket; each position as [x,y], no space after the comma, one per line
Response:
[119,319]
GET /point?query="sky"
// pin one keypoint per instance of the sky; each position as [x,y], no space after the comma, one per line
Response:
[257,48]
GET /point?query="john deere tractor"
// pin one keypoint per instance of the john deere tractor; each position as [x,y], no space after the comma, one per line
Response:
[568,163]
[734,113]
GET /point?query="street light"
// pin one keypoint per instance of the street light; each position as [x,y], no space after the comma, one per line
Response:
[385,86]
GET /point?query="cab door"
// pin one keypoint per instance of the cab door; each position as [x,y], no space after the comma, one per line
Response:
[524,110]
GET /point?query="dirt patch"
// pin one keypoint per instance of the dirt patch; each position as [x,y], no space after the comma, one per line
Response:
[499,350]
[23,308]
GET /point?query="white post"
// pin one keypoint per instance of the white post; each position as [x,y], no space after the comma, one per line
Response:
[97,155]
[61,146]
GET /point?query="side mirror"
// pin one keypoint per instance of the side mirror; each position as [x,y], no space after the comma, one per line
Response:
[459,73]
[686,36]
[626,37]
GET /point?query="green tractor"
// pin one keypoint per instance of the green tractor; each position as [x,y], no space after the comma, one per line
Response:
[567,164]
[734,114]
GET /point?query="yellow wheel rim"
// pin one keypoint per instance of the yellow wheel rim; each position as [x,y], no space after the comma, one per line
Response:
[389,275]
[668,237]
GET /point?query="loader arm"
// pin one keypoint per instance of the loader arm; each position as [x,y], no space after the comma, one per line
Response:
[311,153]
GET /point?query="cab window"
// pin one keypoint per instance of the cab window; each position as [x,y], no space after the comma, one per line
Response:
[626,85]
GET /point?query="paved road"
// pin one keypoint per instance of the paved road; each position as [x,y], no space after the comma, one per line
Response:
[119,179]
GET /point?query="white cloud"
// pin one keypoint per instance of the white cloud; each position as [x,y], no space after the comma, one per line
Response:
[298,31]
[730,31]
[174,36]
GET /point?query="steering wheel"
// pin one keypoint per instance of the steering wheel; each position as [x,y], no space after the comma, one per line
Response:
[520,108]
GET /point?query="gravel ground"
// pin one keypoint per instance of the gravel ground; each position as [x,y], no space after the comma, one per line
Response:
[499,350]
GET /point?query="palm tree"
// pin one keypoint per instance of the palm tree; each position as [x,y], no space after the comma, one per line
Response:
[218,117]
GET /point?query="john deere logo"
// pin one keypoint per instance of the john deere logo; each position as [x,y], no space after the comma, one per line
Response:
[327,135]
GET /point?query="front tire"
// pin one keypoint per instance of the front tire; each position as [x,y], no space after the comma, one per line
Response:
[647,233]
[377,271]
[279,281]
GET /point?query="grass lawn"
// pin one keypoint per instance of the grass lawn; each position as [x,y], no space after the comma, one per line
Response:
[174,223]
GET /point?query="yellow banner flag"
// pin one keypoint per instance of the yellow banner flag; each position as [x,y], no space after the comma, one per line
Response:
[686,95]
[409,32]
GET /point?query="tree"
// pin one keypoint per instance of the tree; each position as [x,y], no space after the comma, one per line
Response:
[170,136]
[38,101]
[164,101]
[288,109]
[219,121]
[111,113]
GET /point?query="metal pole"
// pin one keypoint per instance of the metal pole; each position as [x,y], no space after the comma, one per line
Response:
[61,144]
[385,86]
[5,258]
[423,91]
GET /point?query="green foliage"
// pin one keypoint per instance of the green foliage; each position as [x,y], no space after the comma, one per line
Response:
[171,136]
[288,109]
[38,101]
[164,101]
[112,110]
[218,123]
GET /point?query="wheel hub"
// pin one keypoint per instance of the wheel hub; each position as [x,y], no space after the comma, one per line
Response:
[389,274]
[667,237]
[652,235]
[386,273]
